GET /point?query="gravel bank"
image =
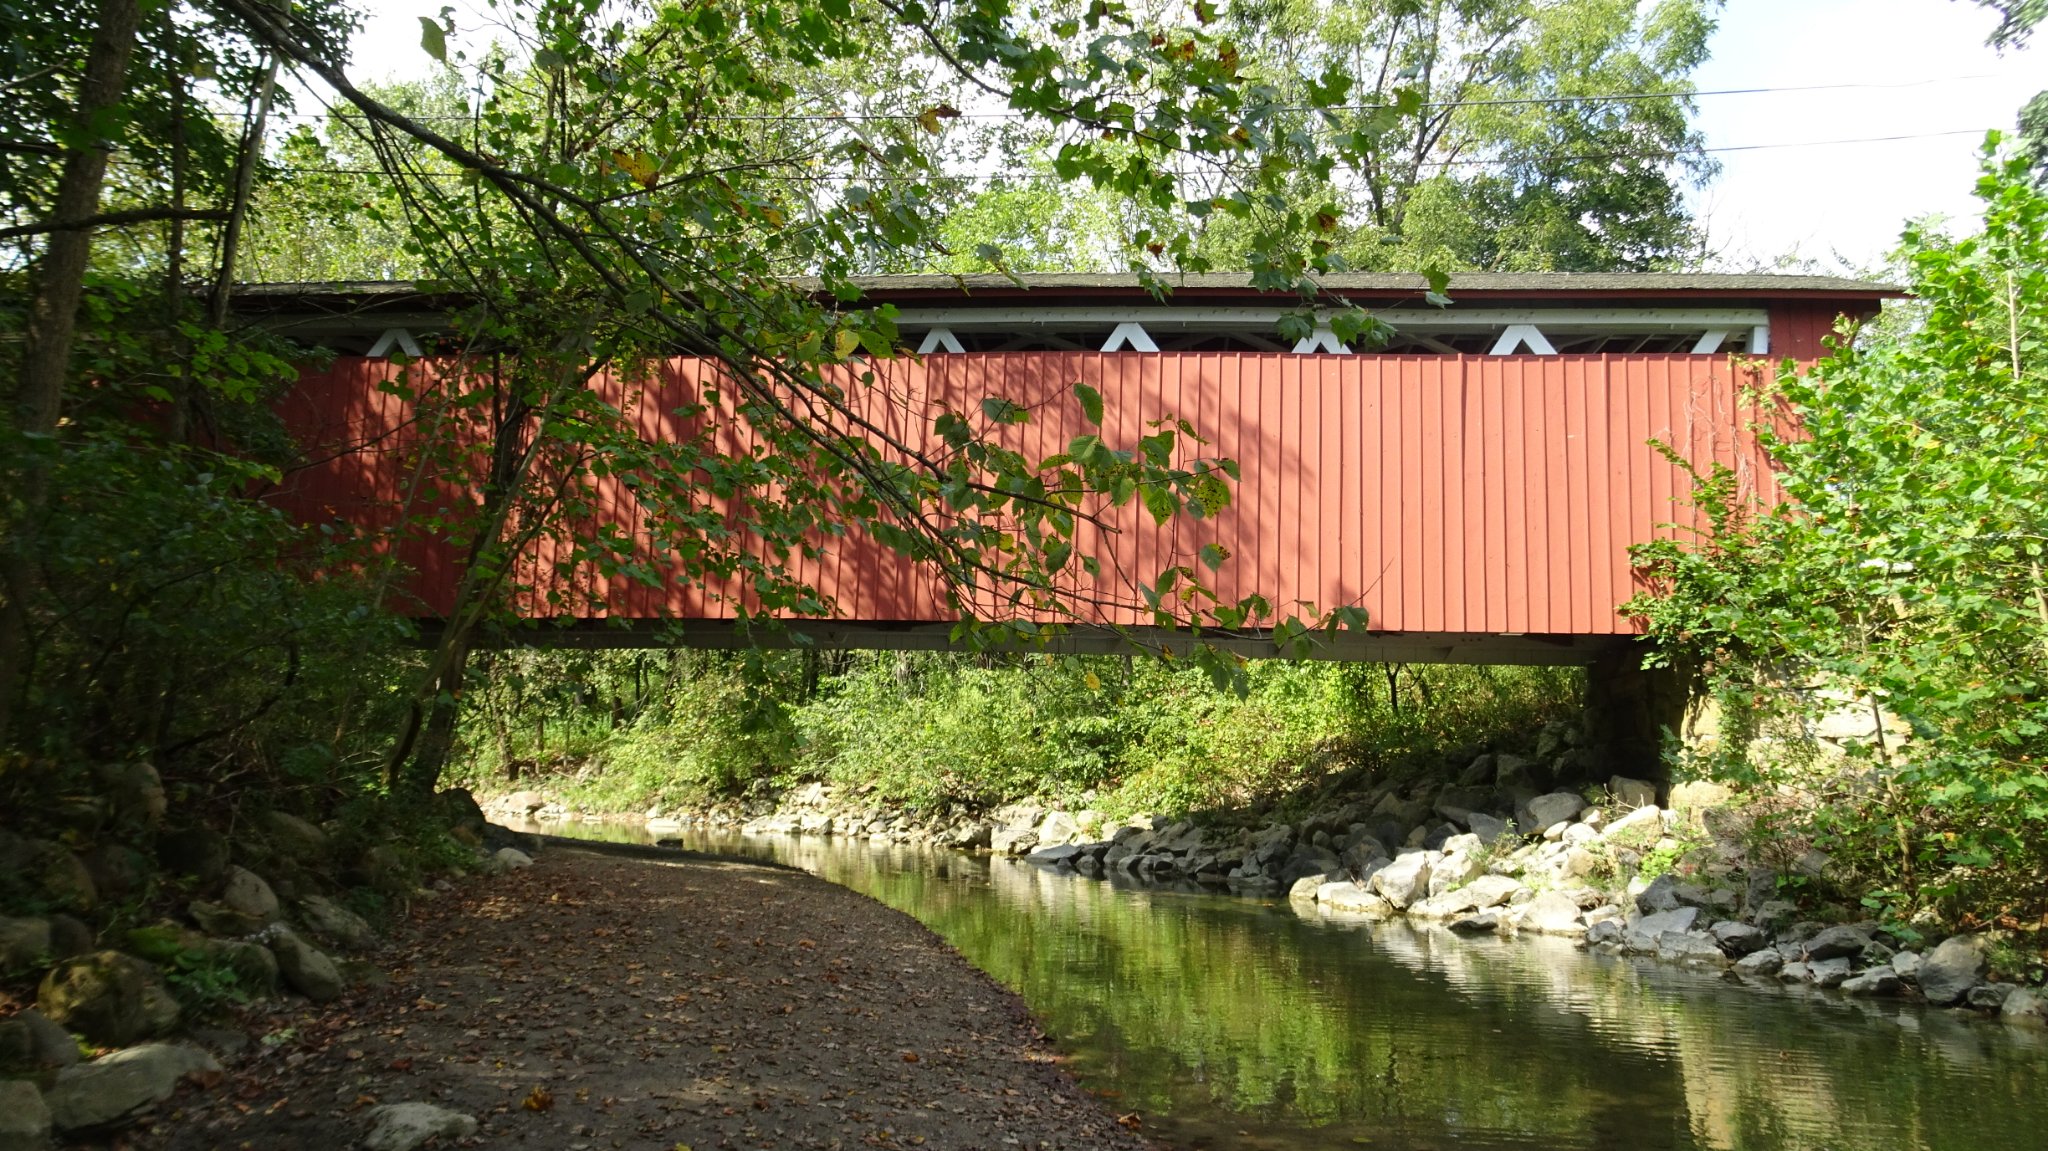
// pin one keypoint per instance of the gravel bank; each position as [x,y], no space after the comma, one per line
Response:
[594,1002]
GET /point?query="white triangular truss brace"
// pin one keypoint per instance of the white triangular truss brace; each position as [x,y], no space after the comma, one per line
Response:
[1710,341]
[398,336]
[1129,335]
[1321,340]
[1517,336]
[940,340]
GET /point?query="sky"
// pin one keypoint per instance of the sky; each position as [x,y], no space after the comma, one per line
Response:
[1888,68]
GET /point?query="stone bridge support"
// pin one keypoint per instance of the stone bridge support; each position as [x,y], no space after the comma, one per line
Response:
[1631,712]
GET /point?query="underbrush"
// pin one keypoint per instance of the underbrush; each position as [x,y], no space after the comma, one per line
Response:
[925,732]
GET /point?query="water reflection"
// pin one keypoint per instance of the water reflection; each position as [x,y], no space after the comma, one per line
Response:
[1238,1023]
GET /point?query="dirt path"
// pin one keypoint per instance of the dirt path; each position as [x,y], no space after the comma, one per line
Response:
[592,1002]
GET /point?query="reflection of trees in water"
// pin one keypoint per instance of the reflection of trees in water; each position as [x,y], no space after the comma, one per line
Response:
[1191,1005]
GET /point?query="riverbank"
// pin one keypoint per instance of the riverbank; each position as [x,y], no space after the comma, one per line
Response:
[599,1002]
[1487,851]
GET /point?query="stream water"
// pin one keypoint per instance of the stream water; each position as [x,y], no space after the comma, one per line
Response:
[1238,1023]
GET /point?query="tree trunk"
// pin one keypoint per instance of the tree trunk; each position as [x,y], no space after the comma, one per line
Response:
[53,314]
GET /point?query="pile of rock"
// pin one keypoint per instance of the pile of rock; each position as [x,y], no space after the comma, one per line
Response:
[1574,877]
[254,910]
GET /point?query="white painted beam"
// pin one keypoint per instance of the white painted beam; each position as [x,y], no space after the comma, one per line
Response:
[1760,340]
[1673,321]
[1709,341]
[1321,340]
[1131,334]
[1522,335]
[940,340]
[399,336]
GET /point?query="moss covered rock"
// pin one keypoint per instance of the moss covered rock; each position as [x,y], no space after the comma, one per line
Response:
[109,997]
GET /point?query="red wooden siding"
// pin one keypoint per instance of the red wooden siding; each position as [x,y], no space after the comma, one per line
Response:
[1443,494]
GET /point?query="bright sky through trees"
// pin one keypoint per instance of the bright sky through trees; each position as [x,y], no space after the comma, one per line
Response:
[1929,73]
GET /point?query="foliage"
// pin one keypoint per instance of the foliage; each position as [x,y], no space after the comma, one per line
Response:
[1512,160]
[1903,570]
[932,732]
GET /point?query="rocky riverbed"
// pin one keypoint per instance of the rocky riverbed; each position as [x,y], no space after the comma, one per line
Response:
[1509,844]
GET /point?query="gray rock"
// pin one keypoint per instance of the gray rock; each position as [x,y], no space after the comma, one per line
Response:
[1305,888]
[1346,896]
[306,969]
[1792,973]
[297,839]
[254,965]
[24,1119]
[1510,770]
[2025,1005]
[1828,972]
[1556,807]
[1012,840]
[114,1087]
[1644,822]
[1694,948]
[1404,880]
[324,917]
[1907,964]
[70,936]
[1553,913]
[1058,856]
[1487,827]
[135,793]
[214,919]
[1660,896]
[1876,981]
[24,943]
[1773,914]
[1489,891]
[110,998]
[118,871]
[1454,870]
[247,894]
[1605,931]
[1642,934]
[66,883]
[1948,973]
[511,859]
[1738,938]
[1675,919]
[404,1126]
[1632,792]
[1837,942]
[1056,829]
[1759,963]
[1989,996]
[47,1045]
[1481,923]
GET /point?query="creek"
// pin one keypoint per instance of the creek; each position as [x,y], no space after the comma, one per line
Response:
[1228,1022]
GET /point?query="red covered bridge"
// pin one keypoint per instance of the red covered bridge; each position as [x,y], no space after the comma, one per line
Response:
[1474,485]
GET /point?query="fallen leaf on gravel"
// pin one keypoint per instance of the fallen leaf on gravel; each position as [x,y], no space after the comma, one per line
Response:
[539,1099]
[910,1056]
[1132,1121]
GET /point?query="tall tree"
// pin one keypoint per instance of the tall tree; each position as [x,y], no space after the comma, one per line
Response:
[1903,570]
[648,177]
[1544,135]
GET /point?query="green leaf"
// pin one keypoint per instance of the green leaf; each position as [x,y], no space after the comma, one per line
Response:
[1091,404]
[1213,556]
[434,38]
[1002,411]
